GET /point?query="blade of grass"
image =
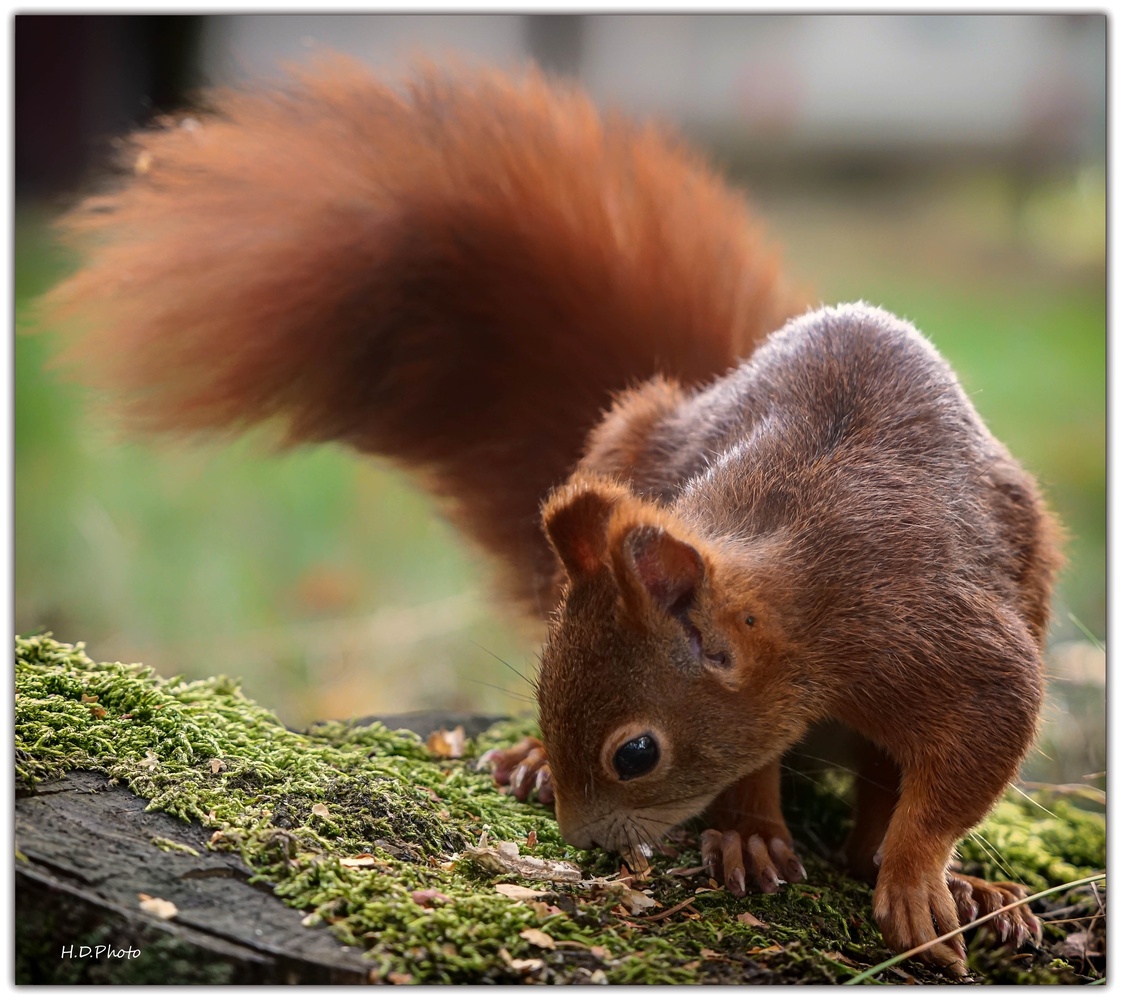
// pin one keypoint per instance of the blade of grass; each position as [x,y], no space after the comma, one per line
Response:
[1085,631]
[868,973]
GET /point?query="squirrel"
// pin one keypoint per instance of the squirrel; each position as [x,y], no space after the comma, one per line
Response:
[740,518]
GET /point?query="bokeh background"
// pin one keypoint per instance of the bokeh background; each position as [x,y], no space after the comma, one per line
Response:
[949,167]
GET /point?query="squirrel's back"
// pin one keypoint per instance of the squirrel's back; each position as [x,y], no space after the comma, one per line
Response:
[457,274]
[850,437]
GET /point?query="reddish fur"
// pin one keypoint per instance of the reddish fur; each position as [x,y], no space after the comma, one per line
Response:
[868,553]
[462,275]
[458,274]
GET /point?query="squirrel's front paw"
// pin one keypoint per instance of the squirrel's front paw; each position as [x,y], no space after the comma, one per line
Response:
[913,912]
[976,898]
[768,863]
[523,768]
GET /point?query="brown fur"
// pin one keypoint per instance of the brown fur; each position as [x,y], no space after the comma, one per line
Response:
[457,274]
[865,551]
[462,275]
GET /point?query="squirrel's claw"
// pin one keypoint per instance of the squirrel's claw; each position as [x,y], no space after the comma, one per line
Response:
[523,768]
[1018,925]
[915,912]
[768,865]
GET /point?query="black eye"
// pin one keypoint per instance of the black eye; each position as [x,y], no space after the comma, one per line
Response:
[636,757]
[750,619]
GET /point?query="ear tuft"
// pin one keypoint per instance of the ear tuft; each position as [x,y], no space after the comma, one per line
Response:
[575,520]
[669,569]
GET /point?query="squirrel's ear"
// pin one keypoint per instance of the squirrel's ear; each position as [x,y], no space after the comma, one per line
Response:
[670,570]
[575,519]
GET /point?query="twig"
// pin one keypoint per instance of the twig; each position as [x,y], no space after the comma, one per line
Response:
[868,973]
[666,913]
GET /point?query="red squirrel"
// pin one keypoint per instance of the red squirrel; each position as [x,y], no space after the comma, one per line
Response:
[542,312]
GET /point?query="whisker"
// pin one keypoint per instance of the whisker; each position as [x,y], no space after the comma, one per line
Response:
[833,765]
[517,695]
[671,803]
[1034,802]
[996,857]
[819,785]
[502,661]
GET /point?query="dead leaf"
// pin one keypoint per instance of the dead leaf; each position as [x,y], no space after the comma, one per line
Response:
[445,743]
[150,761]
[217,765]
[538,938]
[363,861]
[98,712]
[771,949]
[637,901]
[905,976]
[750,919]
[710,954]
[520,964]
[507,860]
[319,809]
[836,956]
[1079,945]
[520,892]
[531,839]
[426,897]
[88,699]
[164,909]
[399,978]
[638,872]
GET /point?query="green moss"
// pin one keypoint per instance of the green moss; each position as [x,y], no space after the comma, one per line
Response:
[1041,842]
[296,806]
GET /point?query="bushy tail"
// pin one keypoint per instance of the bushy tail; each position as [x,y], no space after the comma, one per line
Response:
[457,274]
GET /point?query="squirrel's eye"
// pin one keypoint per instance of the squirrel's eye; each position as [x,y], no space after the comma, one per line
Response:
[636,757]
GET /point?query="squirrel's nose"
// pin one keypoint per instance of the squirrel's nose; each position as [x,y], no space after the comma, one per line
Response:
[573,831]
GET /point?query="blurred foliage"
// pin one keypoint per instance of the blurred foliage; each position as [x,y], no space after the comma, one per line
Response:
[334,589]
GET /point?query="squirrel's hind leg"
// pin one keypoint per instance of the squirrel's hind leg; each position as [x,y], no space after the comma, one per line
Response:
[977,898]
[877,793]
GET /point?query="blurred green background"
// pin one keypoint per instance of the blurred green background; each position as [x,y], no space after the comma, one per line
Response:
[333,589]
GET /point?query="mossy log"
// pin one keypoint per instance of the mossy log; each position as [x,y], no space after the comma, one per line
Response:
[182,822]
